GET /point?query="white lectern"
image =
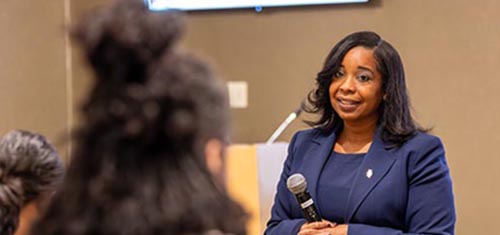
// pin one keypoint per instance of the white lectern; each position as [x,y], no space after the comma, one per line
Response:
[252,174]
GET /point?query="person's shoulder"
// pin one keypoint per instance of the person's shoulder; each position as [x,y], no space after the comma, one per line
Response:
[310,133]
[424,138]
[422,141]
[303,140]
[424,152]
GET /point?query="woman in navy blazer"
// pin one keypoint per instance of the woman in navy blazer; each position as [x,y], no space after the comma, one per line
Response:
[370,168]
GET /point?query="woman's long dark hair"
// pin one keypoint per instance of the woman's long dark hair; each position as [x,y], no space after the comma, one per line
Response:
[139,165]
[396,123]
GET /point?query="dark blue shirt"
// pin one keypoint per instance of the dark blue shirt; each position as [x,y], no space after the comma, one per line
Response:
[335,183]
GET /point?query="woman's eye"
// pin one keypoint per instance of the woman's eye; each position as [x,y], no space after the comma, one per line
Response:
[364,78]
[338,74]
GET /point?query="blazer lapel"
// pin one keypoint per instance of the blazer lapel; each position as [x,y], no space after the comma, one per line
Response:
[376,164]
[315,161]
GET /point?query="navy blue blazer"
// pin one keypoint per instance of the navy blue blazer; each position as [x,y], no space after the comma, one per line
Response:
[409,191]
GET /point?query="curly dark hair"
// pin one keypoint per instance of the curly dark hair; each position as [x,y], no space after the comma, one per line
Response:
[139,165]
[29,167]
[396,122]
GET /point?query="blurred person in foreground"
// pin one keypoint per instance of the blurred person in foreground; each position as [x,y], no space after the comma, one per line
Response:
[149,155]
[370,169]
[30,171]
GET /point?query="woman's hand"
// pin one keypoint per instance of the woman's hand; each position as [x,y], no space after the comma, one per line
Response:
[339,229]
[316,228]
[323,228]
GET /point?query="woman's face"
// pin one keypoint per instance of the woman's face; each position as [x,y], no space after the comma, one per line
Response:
[356,88]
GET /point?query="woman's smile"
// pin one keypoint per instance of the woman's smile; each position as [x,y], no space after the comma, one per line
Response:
[347,105]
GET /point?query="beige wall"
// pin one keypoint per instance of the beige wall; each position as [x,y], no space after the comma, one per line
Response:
[451,51]
[450,48]
[82,77]
[32,68]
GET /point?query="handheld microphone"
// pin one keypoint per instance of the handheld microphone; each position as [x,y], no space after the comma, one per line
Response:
[297,184]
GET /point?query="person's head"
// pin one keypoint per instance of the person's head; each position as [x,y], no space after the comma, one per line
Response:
[149,152]
[363,80]
[30,168]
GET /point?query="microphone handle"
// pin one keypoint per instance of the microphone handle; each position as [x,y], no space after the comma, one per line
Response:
[307,204]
